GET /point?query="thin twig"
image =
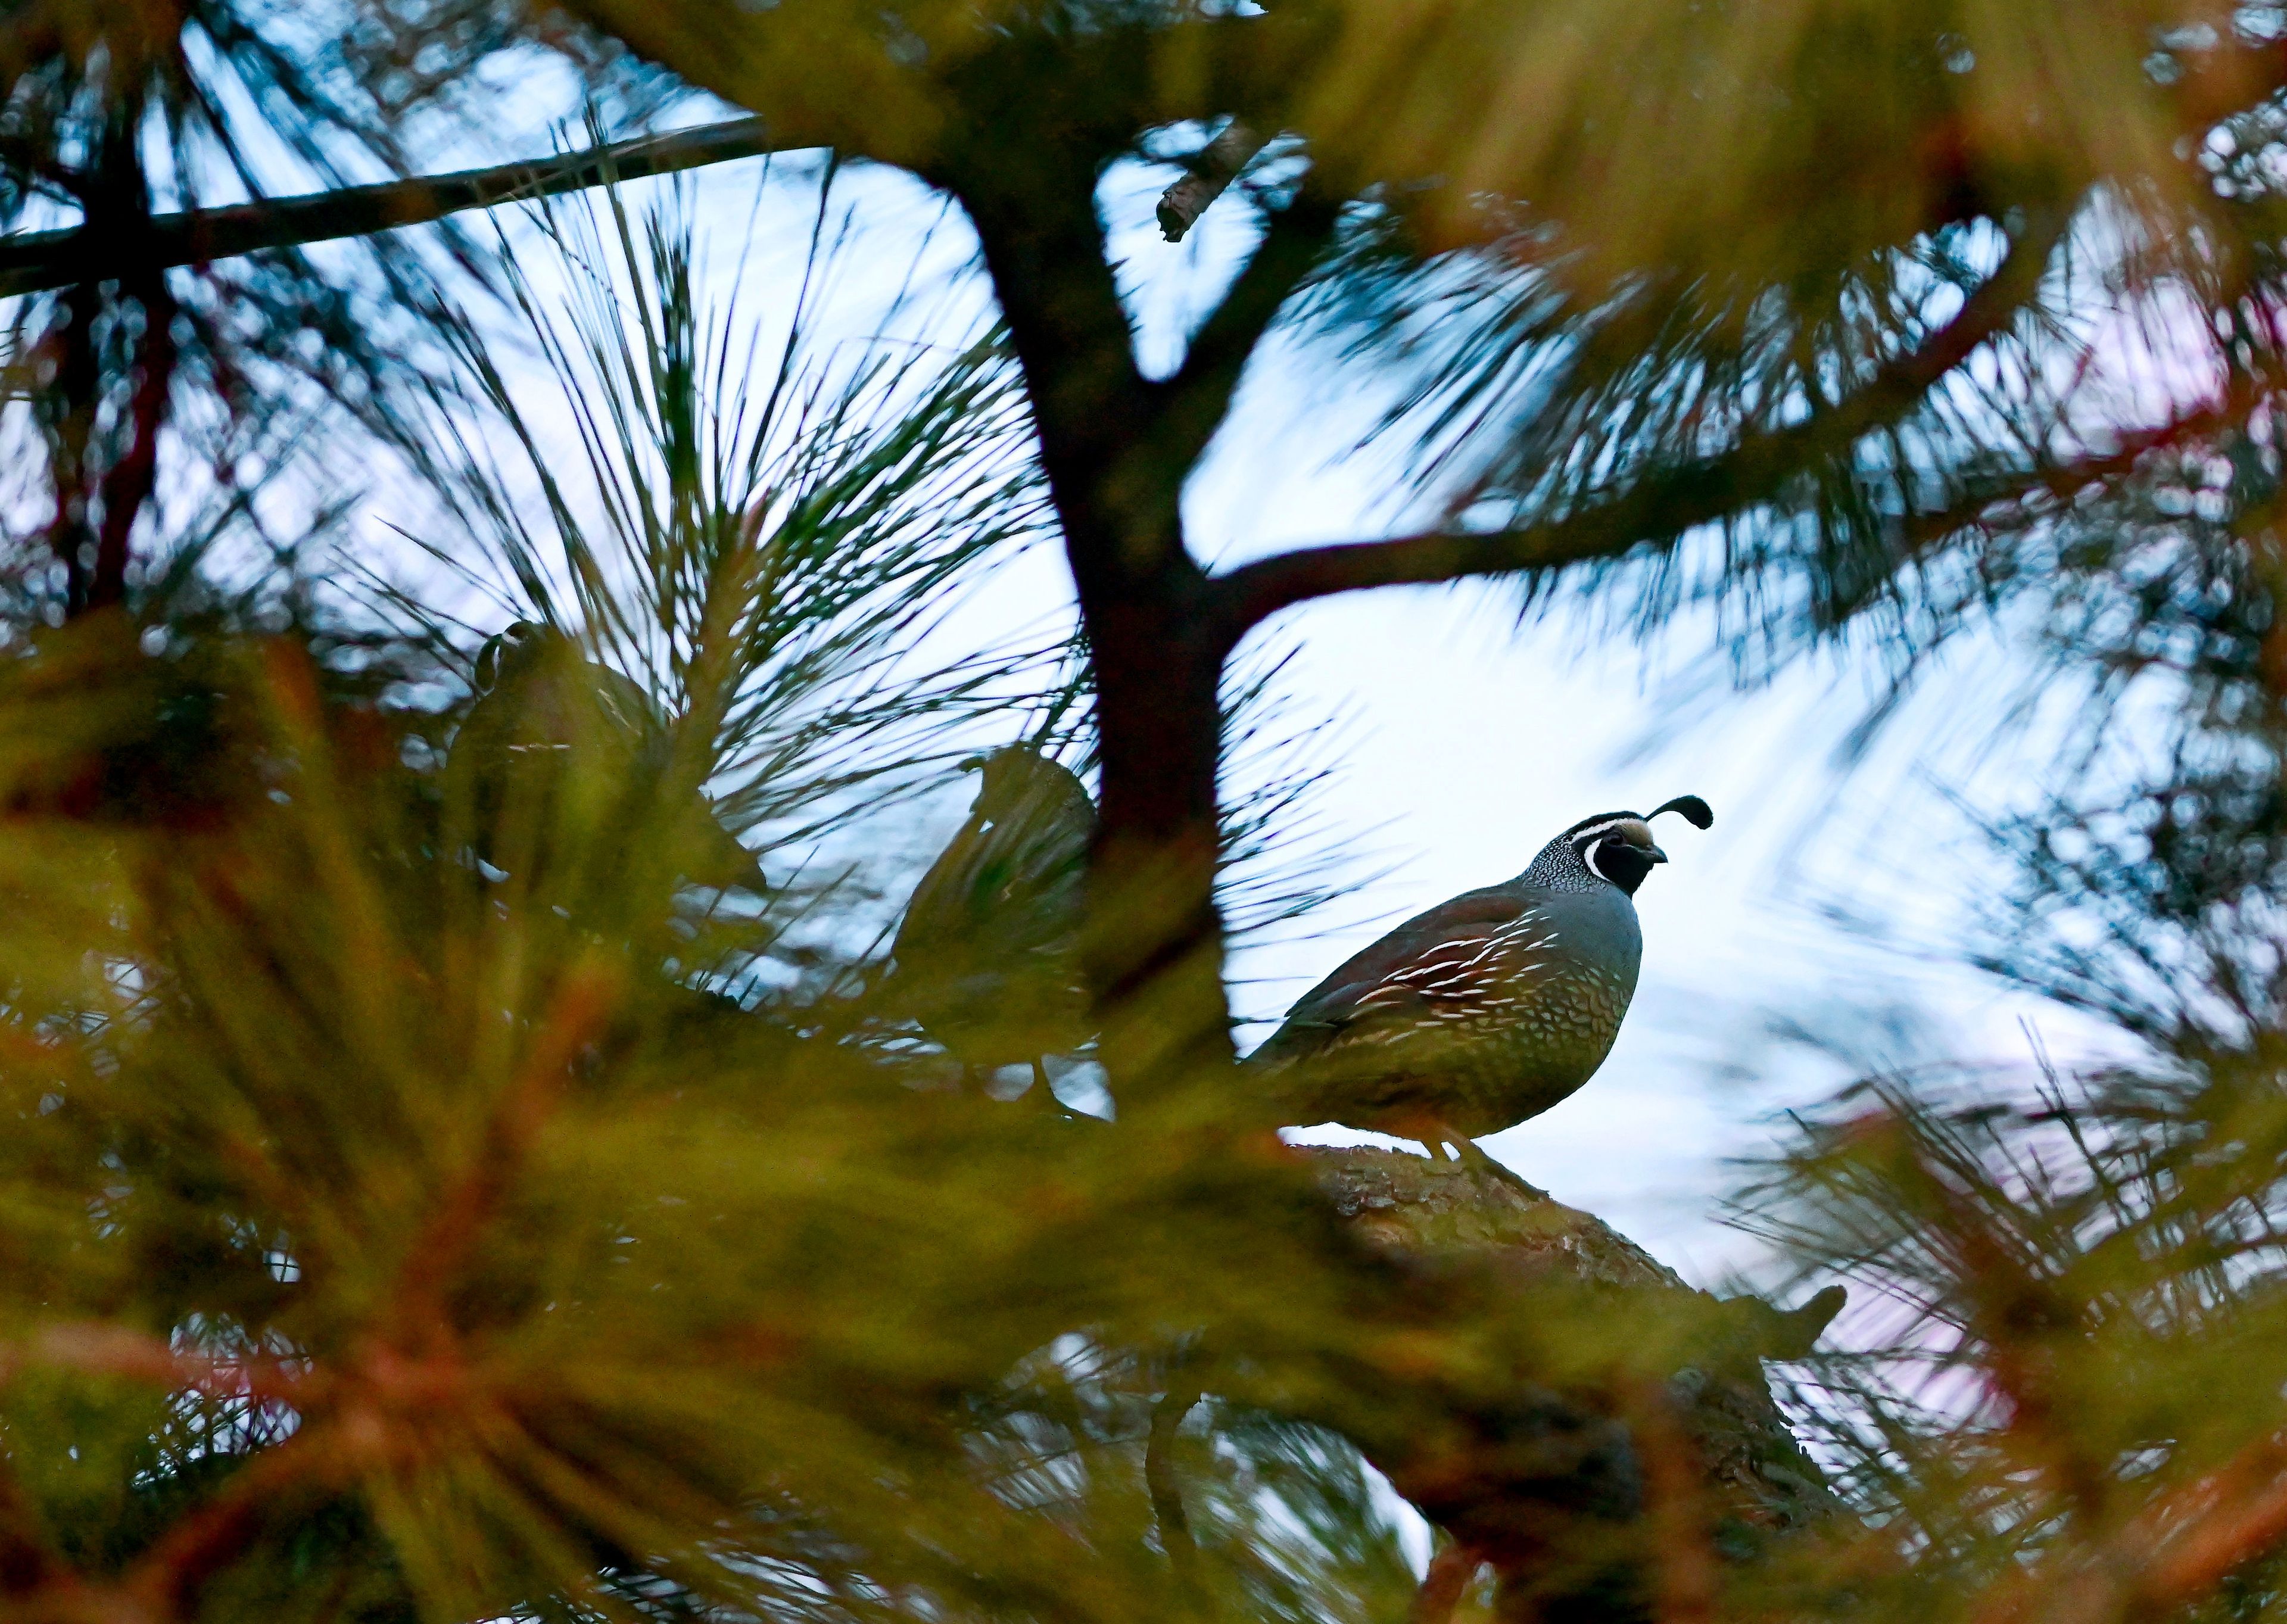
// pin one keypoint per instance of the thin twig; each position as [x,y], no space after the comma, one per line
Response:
[1211,173]
[2228,1539]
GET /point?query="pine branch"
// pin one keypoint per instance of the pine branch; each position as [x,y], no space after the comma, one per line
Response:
[1500,1461]
[38,261]
[1451,1570]
[580,1007]
[2173,1553]
[2236,1515]
[1976,507]
[1659,509]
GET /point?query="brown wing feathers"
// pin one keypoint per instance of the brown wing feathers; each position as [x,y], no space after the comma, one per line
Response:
[1451,964]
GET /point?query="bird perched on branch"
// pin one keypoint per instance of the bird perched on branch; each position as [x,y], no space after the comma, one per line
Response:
[573,746]
[1487,1009]
[987,956]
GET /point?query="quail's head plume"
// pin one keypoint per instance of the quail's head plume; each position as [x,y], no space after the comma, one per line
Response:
[1487,1009]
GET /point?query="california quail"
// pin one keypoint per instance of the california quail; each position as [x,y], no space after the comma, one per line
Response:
[564,738]
[986,958]
[1487,1009]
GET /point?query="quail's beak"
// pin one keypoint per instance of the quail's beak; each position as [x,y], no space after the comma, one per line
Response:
[975,764]
[1655,853]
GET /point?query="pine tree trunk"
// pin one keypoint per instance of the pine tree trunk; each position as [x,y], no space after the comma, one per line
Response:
[1155,944]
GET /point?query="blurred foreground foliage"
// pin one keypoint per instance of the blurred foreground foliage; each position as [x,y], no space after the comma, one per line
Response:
[427,1194]
[439,1184]
[391,1229]
[503,1124]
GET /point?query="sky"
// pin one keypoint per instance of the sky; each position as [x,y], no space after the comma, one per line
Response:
[1462,738]
[1469,738]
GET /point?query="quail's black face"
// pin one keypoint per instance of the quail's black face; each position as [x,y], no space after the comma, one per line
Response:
[1617,848]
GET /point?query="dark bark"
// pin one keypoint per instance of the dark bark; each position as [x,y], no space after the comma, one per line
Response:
[70,380]
[1117,449]
[102,480]
[131,481]
[1154,947]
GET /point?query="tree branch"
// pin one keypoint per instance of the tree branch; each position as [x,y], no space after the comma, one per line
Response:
[2172,1553]
[1661,508]
[1262,589]
[38,261]
[1535,1466]
[581,1003]
[2061,481]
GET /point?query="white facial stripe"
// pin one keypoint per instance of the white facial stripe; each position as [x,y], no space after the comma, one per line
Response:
[1583,839]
